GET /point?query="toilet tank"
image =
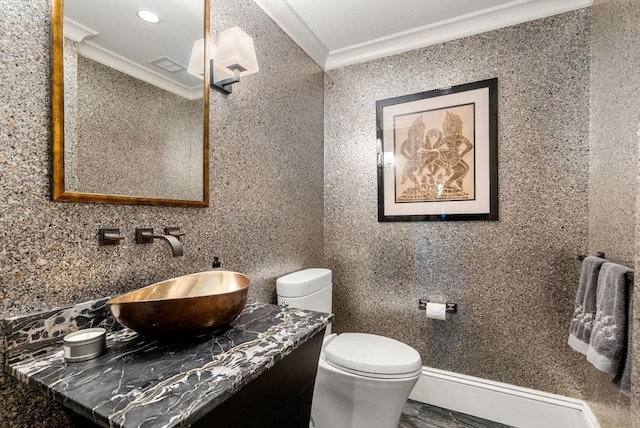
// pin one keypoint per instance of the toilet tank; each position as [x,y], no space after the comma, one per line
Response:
[306,289]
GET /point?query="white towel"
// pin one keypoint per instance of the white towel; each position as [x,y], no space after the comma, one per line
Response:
[585,306]
[608,343]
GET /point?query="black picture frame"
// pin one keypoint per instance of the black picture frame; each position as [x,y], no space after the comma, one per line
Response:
[437,154]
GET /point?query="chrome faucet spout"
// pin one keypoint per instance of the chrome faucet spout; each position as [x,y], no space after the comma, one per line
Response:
[145,236]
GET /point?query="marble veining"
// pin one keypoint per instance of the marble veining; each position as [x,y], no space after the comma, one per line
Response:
[31,334]
[420,415]
[165,383]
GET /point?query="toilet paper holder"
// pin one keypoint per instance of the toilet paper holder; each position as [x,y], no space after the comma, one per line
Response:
[450,307]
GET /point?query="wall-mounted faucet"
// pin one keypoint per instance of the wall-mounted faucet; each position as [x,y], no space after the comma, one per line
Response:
[146,236]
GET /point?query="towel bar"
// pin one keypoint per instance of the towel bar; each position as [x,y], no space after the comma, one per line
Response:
[629,276]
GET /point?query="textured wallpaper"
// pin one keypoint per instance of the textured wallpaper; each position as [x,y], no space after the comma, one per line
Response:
[615,120]
[614,142]
[514,279]
[265,217]
[130,133]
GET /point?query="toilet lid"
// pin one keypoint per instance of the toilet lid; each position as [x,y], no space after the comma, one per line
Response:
[370,353]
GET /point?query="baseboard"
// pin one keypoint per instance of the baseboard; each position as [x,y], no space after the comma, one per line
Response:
[501,402]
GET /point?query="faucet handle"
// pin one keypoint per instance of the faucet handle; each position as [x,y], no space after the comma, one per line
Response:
[173,231]
[109,236]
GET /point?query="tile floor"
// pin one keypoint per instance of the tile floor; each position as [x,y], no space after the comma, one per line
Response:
[420,415]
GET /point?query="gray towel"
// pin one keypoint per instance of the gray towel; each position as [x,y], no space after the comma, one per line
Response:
[624,376]
[608,344]
[585,307]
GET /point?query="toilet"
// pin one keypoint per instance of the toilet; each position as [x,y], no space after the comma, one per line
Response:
[363,380]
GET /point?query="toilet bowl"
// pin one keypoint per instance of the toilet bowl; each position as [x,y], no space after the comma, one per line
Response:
[363,380]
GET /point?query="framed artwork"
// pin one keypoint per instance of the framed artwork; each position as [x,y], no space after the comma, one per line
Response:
[437,154]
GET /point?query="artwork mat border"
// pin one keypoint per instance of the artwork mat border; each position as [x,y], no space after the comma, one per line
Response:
[390,185]
[489,209]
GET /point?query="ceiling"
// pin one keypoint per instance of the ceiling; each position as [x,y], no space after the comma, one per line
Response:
[111,33]
[336,33]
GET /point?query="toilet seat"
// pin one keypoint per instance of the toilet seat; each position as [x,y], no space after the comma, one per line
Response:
[372,356]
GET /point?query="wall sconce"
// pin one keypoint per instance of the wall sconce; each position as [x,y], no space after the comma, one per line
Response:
[234,57]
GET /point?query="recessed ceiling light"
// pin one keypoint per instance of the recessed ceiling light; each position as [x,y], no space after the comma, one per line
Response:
[147,15]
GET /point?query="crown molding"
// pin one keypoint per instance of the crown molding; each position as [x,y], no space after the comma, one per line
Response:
[77,32]
[289,21]
[82,34]
[511,13]
[117,62]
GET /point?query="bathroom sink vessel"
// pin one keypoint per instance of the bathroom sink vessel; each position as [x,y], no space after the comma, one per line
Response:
[186,304]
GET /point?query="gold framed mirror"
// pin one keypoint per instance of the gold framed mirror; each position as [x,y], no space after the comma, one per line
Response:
[130,121]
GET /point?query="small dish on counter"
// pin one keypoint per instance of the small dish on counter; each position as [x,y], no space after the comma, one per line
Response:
[83,345]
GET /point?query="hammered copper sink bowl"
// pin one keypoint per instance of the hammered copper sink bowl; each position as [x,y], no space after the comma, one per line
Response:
[186,304]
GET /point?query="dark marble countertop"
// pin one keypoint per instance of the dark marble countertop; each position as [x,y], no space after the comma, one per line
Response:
[144,382]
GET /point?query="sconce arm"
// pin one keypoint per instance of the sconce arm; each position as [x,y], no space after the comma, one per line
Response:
[224,85]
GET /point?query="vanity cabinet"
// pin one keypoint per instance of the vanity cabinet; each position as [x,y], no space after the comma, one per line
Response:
[279,398]
[259,371]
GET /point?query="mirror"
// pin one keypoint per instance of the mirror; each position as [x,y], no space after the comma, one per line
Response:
[130,124]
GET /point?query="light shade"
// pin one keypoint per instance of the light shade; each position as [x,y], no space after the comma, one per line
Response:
[197,60]
[236,51]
